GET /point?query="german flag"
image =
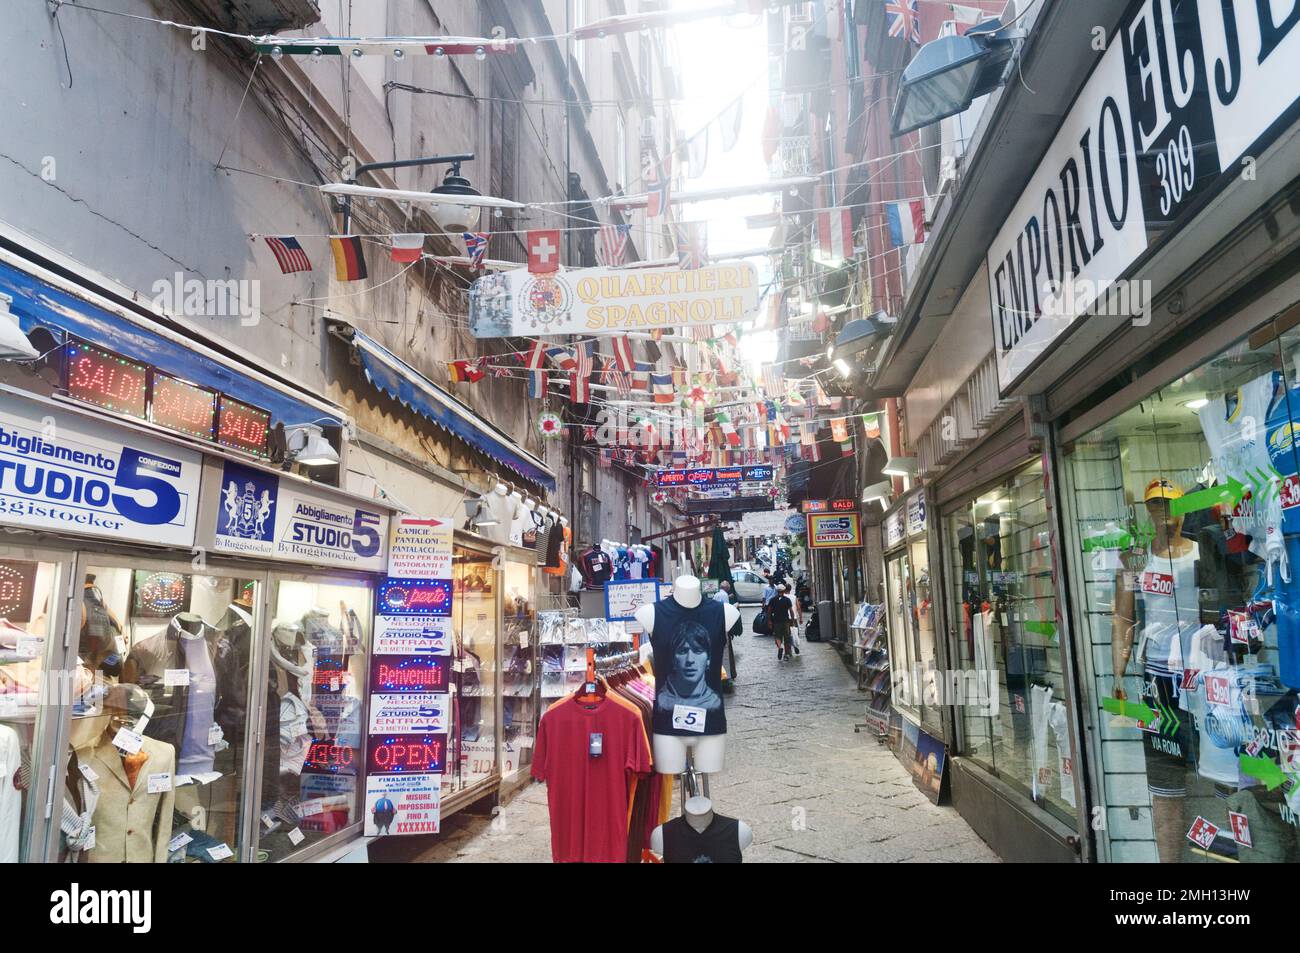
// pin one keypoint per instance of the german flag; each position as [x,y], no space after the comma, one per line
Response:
[349,262]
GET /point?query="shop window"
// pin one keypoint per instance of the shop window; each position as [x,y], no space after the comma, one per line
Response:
[27,591]
[158,758]
[1186,537]
[1008,689]
[474,669]
[519,670]
[316,688]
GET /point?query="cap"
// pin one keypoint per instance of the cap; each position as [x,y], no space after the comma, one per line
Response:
[1161,490]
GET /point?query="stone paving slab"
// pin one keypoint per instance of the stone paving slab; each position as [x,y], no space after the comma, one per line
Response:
[812,789]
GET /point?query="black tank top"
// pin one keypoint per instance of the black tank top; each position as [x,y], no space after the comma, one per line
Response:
[688,646]
[719,843]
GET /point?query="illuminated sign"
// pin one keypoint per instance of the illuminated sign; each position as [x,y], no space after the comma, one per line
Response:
[106,379]
[834,531]
[814,506]
[330,757]
[242,426]
[183,407]
[161,595]
[704,477]
[844,506]
[403,754]
[404,674]
[415,597]
[17,589]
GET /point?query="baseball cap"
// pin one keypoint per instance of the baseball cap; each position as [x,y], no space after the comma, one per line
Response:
[1161,489]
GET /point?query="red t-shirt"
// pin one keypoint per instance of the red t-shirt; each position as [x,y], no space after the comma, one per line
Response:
[588,795]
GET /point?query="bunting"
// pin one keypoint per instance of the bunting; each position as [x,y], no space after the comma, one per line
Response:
[580,381]
[536,364]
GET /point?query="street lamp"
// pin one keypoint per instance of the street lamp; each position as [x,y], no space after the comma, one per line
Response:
[950,73]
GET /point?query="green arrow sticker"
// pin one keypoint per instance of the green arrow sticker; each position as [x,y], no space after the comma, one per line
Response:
[1128,709]
[1040,627]
[1229,493]
[1113,541]
[1265,769]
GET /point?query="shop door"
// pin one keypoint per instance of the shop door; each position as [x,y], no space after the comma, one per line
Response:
[474,669]
[162,754]
[35,597]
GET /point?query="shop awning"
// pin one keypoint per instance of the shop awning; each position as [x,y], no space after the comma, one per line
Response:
[400,381]
[39,304]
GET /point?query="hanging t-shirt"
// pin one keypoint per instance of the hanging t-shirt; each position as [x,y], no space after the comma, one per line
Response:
[587,754]
[595,567]
[11,798]
[1064,763]
[719,843]
[1209,660]
[1235,427]
[502,508]
[1169,606]
[688,646]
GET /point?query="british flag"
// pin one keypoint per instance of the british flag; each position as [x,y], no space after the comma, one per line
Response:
[476,244]
[616,377]
[904,20]
[613,244]
[691,245]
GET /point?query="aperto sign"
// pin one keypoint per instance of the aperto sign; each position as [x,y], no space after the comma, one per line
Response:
[706,477]
[415,597]
[63,472]
[1185,96]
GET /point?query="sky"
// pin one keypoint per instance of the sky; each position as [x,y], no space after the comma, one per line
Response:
[720,59]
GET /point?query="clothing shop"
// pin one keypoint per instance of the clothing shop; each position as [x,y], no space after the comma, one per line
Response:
[1111,486]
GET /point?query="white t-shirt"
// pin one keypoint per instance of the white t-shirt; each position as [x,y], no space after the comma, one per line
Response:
[502,509]
[11,799]
[1239,449]
[1171,607]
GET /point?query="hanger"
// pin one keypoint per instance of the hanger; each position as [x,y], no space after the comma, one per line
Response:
[591,691]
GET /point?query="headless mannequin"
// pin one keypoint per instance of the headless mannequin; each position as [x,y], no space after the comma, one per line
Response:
[670,750]
[698,812]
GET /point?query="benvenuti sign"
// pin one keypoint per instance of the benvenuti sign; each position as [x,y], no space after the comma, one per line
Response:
[1185,94]
[611,300]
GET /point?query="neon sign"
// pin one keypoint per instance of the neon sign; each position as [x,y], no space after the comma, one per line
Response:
[330,757]
[403,754]
[242,426]
[183,407]
[401,674]
[106,379]
[415,597]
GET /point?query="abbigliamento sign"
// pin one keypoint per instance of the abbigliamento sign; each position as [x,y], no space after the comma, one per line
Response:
[1183,92]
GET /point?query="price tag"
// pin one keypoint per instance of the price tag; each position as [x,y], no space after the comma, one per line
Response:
[689,718]
[214,733]
[1188,683]
[179,841]
[523,640]
[8,702]
[1202,832]
[334,684]
[268,820]
[128,741]
[1242,628]
[1240,828]
[90,839]
[296,837]
[29,646]
[596,744]
[220,852]
[87,772]
[176,677]
[159,783]
[311,808]
[1218,690]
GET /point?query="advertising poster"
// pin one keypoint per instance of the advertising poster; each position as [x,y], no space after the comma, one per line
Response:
[622,599]
[834,530]
[412,635]
[402,804]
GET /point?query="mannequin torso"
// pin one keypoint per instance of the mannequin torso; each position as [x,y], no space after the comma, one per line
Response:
[698,816]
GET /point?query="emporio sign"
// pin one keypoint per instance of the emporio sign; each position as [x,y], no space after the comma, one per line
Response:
[1186,94]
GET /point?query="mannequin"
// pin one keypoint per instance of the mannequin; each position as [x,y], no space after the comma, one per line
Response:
[670,749]
[131,824]
[1166,580]
[714,847]
[500,505]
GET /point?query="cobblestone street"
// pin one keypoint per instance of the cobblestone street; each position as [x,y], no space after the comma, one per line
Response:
[811,788]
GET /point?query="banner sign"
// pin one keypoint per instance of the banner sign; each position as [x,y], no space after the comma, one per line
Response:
[65,472]
[589,301]
[1186,94]
[768,524]
[420,547]
[916,514]
[622,599]
[410,713]
[834,530]
[708,477]
[254,512]
[412,635]
[736,505]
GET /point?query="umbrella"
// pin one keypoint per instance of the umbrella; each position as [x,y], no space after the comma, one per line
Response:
[719,564]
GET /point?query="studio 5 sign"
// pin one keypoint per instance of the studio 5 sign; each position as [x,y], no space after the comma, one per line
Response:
[1185,90]
[64,472]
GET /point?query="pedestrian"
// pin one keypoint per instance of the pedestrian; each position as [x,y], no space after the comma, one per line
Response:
[783,614]
[723,594]
[769,591]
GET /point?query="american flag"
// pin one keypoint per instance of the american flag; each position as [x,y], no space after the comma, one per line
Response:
[690,245]
[476,244]
[580,382]
[904,20]
[613,244]
[288,254]
[616,377]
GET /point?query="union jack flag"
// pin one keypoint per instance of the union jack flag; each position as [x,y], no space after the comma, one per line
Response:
[690,245]
[613,244]
[288,254]
[904,20]
[476,244]
[615,376]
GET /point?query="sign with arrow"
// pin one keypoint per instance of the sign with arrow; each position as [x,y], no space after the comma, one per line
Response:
[1226,494]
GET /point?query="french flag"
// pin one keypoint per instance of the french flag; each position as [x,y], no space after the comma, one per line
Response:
[906,221]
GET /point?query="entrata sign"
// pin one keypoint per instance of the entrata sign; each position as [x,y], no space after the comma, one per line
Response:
[834,531]
[611,300]
[708,477]
[1184,97]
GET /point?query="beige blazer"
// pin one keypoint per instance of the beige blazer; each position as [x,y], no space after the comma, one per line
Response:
[132,825]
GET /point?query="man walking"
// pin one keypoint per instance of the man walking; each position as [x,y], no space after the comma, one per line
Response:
[783,614]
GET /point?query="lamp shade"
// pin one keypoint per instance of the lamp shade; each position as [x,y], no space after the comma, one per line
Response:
[859,335]
[946,76]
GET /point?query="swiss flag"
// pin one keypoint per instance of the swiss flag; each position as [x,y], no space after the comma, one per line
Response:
[543,250]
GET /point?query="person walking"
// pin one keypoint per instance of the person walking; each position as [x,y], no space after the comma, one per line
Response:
[783,614]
